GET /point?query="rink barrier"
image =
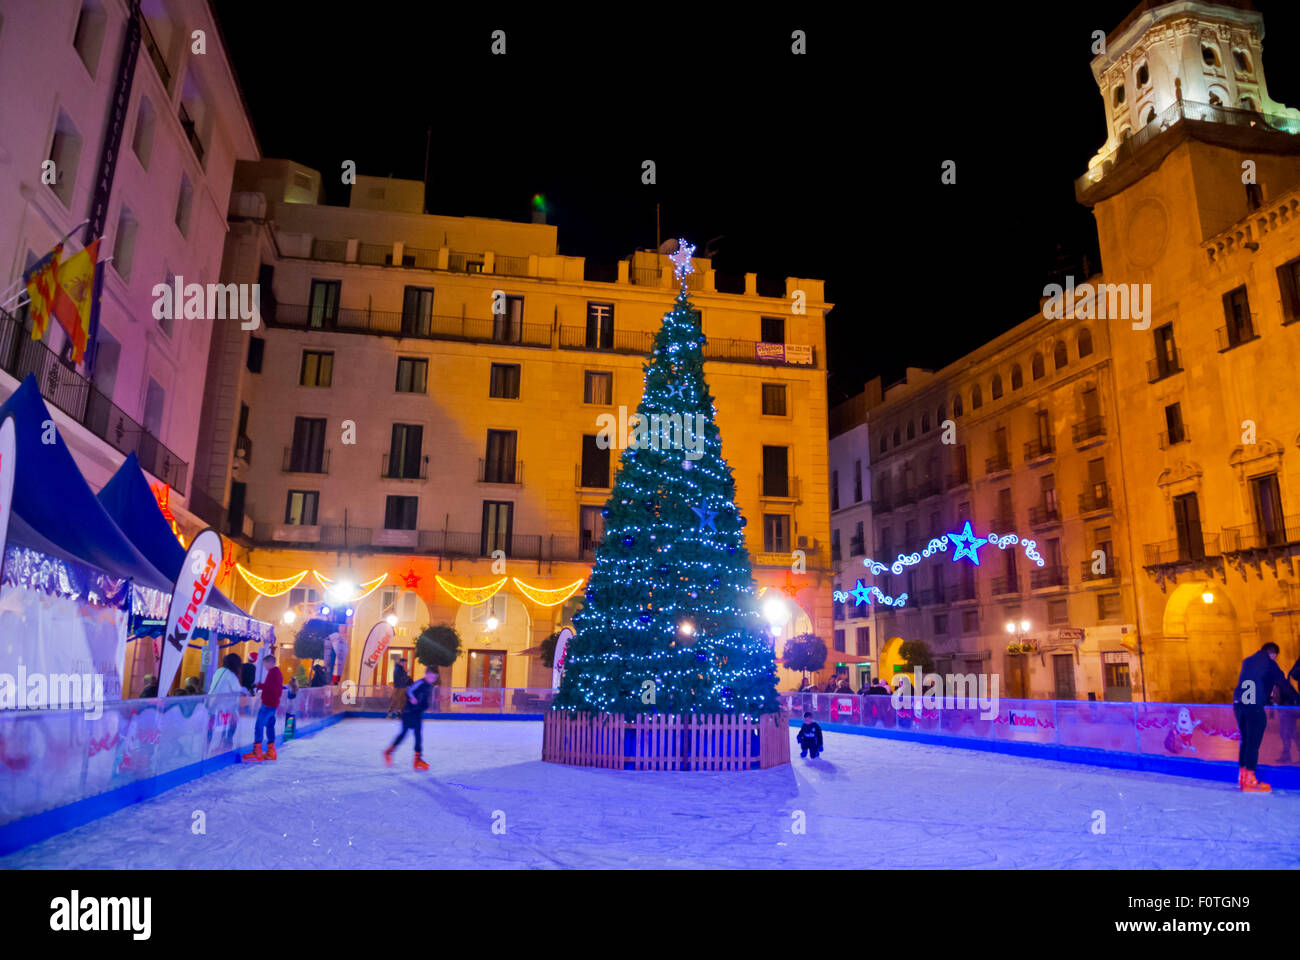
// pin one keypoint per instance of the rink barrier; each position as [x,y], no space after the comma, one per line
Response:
[1180,739]
[60,769]
[714,742]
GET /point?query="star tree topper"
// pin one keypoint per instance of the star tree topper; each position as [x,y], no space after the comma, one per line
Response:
[682,260]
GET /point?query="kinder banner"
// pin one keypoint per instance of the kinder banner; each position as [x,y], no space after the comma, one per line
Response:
[197,578]
[377,641]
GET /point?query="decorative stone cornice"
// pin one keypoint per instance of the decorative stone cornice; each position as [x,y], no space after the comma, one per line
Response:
[1182,471]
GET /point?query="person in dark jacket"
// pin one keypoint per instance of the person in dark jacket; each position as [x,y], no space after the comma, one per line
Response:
[878,688]
[248,676]
[318,675]
[1286,727]
[401,680]
[1260,677]
[418,695]
[150,687]
[810,737]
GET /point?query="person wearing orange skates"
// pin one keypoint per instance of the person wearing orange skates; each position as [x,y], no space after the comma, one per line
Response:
[1260,677]
[272,685]
[417,701]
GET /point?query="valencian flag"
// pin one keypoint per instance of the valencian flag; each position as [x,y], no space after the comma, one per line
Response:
[75,304]
[42,282]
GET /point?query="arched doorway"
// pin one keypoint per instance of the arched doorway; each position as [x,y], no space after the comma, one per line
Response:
[493,637]
[1200,652]
[784,619]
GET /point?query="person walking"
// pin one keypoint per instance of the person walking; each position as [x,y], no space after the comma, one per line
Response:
[272,686]
[226,680]
[1260,677]
[401,680]
[418,695]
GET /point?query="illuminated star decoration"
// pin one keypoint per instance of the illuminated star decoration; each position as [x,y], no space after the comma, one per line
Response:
[682,260]
[967,544]
[861,593]
[410,579]
[706,517]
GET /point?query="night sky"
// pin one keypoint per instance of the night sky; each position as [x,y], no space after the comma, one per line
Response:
[825,165]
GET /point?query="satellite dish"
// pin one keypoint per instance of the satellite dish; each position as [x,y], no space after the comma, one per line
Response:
[668,246]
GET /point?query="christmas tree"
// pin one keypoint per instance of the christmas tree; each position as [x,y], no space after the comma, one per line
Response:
[671,622]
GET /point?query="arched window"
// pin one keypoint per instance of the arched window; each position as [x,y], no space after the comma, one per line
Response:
[1085,342]
[1150,117]
[911,429]
[976,397]
[925,422]
[1248,103]
[1209,55]
[1242,60]
[1144,76]
[997,386]
[1036,366]
[1119,94]
[898,436]
[939,414]
[1017,377]
[1060,356]
[956,407]
[884,443]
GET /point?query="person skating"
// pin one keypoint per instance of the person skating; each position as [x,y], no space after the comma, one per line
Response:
[272,686]
[1260,676]
[810,737]
[417,701]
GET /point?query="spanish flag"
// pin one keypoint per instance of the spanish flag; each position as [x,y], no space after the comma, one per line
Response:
[74,297]
[42,284]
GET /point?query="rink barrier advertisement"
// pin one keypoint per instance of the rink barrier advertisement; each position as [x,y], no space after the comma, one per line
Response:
[1184,739]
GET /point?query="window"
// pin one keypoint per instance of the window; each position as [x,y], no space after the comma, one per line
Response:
[774,399]
[776,533]
[1060,355]
[405,453]
[925,422]
[323,312]
[1267,500]
[508,326]
[498,520]
[417,311]
[1236,310]
[940,624]
[503,381]
[317,369]
[307,455]
[499,460]
[142,139]
[857,481]
[1254,196]
[884,443]
[939,415]
[1143,76]
[835,545]
[1248,104]
[839,641]
[591,522]
[1017,377]
[412,375]
[595,463]
[1174,429]
[911,429]
[857,543]
[863,641]
[835,489]
[773,329]
[837,606]
[303,595]
[1216,99]
[598,387]
[1119,94]
[600,326]
[976,397]
[400,513]
[1150,117]
[1108,606]
[1085,342]
[300,508]
[1166,351]
[256,352]
[124,243]
[184,204]
[970,619]
[107,354]
[1047,490]
[155,401]
[1209,56]
[89,39]
[1036,367]
[1288,279]
[1239,58]
[997,386]
[956,407]
[898,437]
[168,320]
[776,478]
[1187,525]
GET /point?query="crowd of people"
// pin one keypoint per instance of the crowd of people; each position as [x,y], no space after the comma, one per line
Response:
[840,684]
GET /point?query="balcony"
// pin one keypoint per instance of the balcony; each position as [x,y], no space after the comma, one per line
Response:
[1087,575]
[244,448]
[500,471]
[1169,438]
[1049,576]
[1164,366]
[931,597]
[1088,431]
[778,486]
[856,547]
[66,389]
[1002,522]
[998,463]
[1095,499]
[1039,449]
[595,477]
[297,460]
[959,476]
[883,503]
[962,590]
[397,323]
[400,470]
[1252,536]
[927,489]
[1002,586]
[1044,514]
[1235,335]
[638,342]
[1195,549]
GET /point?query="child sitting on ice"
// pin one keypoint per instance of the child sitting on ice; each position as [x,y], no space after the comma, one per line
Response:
[810,737]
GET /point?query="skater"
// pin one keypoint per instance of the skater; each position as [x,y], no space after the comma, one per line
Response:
[401,680]
[317,674]
[417,701]
[271,686]
[290,717]
[810,737]
[1260,676]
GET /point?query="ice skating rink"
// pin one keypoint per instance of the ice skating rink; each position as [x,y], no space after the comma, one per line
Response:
[866,803]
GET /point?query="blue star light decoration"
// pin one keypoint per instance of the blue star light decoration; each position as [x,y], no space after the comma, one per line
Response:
[706,517]
[861,593]
[967,544]
[682,260]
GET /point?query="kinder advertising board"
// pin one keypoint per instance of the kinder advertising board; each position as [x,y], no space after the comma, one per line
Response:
[846,709]
[472,698]
[197,578]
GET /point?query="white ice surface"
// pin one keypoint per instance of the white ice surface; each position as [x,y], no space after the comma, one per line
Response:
[329,802]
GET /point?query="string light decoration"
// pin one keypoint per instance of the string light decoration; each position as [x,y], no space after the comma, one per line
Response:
[545,597]
[162,494]
[270,588]
[471,595]
[363,591]
[673,552]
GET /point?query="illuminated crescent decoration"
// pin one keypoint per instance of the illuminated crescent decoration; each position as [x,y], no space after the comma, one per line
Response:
[548,598]
[363,591]
[270,588]
[471,595]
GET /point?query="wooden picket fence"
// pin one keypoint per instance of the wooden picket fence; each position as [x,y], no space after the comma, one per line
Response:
[666,741]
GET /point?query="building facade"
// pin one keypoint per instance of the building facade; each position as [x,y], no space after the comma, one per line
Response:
[1199,205]
[123,122]
[423,411]
[852,537]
